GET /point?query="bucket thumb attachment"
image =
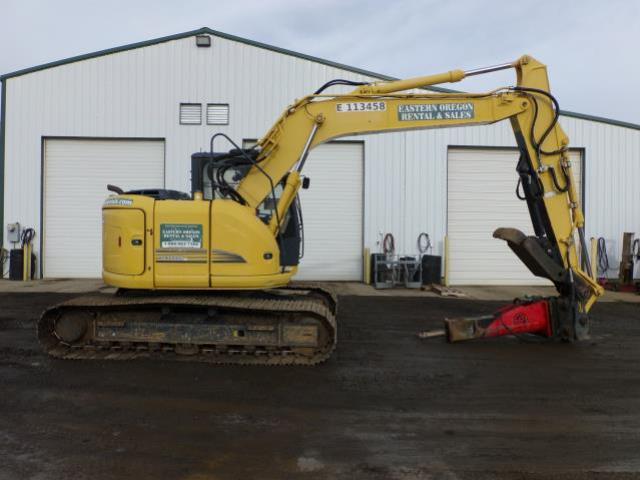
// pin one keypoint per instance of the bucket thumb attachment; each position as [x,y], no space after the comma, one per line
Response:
[529,250]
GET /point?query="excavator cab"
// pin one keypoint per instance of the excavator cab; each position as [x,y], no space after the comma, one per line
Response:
[217,175]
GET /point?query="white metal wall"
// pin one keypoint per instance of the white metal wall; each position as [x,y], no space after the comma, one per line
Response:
[137,93]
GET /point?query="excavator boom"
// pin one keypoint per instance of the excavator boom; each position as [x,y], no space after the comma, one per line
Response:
[544,168]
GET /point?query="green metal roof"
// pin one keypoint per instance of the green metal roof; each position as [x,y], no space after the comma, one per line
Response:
[209,31]
[595,118]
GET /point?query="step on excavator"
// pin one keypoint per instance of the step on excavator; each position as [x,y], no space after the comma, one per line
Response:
[205,276]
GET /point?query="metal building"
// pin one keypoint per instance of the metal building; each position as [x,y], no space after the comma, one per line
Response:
[133,115]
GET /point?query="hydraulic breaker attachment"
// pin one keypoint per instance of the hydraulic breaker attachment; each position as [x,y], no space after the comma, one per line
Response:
[553,317]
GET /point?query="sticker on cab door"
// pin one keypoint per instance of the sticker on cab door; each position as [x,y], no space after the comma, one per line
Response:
[180,235]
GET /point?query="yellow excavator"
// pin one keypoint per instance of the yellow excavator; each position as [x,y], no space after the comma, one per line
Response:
[205,276]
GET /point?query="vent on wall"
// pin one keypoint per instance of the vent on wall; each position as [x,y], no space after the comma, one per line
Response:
[203,40]
[217,114]
[190,114]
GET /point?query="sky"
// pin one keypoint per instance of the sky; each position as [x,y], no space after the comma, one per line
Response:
[590,46]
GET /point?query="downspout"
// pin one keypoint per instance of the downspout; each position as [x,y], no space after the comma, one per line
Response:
[3,124]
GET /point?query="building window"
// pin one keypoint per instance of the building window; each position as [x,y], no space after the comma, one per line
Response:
[217,114]
[190,114]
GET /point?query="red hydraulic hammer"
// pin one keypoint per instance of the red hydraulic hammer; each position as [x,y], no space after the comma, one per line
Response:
[546,317]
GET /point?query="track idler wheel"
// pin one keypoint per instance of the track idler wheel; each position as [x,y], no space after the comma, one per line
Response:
[72,326]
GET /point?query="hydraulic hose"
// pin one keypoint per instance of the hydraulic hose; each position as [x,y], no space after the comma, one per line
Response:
[424,243]
[338,81]
[27,237]
[388,244]
[603,259]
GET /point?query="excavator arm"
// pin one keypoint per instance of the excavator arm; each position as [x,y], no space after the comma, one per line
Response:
[545,173]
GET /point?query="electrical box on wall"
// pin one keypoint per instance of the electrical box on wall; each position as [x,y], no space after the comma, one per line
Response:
[13,232]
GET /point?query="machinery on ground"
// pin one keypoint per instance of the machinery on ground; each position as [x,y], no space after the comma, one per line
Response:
[630,256]
[206,275]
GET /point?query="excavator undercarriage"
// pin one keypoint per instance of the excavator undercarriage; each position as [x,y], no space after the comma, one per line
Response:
[288,326]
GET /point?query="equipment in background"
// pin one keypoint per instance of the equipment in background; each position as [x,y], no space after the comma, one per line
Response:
[13,237]
[431,269]
[13,233]
[625,273]
[22,261]
[4,255]
[410,271]
[431,264]
[603,261]
[630,255]
[391,270]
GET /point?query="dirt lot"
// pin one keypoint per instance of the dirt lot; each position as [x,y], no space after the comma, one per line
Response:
[387,405]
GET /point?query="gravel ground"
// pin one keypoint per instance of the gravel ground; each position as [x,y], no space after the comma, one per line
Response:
[386,405]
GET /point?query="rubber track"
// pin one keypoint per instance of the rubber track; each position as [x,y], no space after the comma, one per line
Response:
[292,302]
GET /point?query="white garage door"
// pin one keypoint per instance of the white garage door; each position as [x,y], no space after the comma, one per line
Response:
[332,210]
[76,173]
[481,198]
